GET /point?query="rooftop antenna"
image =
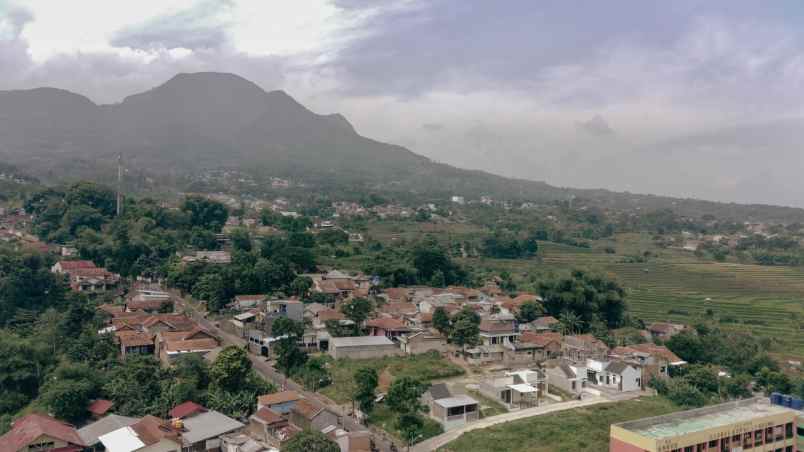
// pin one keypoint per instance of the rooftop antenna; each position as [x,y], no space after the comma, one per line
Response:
[119,184]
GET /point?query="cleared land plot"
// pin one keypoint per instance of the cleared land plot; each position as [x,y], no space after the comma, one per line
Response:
[424,367]
[578,430]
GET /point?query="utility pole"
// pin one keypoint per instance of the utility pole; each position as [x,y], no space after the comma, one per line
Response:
[119,184]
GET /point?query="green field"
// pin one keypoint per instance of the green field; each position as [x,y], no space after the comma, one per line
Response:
[678,287]
[578,430]
[425,367]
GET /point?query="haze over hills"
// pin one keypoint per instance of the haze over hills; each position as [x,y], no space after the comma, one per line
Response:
[212,120]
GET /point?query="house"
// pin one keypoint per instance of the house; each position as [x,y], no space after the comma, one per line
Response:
[92,280]
[351,441]
[362,347]
[582,347]
[151,301]
[546,323]
[65,267]
[565,375]
[399,309]
[291,309]
[135,343]
[422,342]
[202,431]
[546,345]
[519,389]
[306,415]
[147,434]
[618,375]
[240,442]
[269,426]
[654,360]
[434,392]
[279,402]
[98,408]
[186,409]
[496,332]
[389,327]
[172,344]
[455,412]
[242,302]
[91,433]
[40,432]
[664,331]
[209,257]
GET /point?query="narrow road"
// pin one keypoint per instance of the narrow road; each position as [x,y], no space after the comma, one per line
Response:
[276,377]
[444,438]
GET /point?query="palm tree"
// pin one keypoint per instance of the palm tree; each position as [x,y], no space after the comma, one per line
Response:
[570,322]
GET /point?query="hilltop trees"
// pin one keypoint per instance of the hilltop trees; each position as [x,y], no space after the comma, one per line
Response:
[586,296]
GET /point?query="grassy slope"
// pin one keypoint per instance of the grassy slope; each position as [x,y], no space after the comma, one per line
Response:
[578,430]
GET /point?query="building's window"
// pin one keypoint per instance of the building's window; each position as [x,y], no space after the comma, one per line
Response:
[455,411]
[788,430]
[724,445]
[471,408]
[788,449]
[689,449]
[700,447]
[758,438]
[778,432]
[769,435]
[713,444]
[800,430]
[748,441]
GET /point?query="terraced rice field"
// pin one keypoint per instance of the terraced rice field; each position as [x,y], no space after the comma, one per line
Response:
[674,287]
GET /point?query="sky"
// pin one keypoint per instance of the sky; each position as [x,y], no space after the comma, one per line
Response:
[686,98]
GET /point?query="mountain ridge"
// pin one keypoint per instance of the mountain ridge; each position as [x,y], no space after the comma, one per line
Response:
[212,119]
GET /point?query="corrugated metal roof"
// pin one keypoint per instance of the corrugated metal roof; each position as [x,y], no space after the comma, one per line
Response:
[208,425]
[360,341]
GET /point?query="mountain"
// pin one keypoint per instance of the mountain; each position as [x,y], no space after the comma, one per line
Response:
[213,120]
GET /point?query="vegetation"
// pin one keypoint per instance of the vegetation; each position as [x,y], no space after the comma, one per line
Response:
[558,432]
[310,441]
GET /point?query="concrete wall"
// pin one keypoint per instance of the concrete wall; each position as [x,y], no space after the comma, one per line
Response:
[418,345]
[556,377]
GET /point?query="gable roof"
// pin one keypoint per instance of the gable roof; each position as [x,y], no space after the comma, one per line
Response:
[657,350]
[100,407]
[278,397]
[91,433]
[387,323]
[496,326]
[439,391]
[617,367]
[75,265]
[185,409]
[150,430]
[545,321]
[541,340]
[32,426]
[306,409]
[268,416]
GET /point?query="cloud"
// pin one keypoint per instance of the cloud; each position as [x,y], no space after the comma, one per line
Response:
[433,127]
[596,126]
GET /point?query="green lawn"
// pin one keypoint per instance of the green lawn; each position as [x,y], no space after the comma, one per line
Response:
[425,367]
[578,430]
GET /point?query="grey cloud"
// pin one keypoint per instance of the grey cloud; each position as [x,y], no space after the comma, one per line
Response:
[596,126]
[433,127]
[200,27]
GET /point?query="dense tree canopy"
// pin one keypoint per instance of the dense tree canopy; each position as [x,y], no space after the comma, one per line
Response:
[590,297]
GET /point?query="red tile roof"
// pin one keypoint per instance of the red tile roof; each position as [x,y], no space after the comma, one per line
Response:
[100,407]
[540,339]
[269,416]
[657,350]
[150,430]
[306,409]
[191,345]
[493,326]
[278,397]
[75,265]
[186,409]
[387,323]
[547,320]
[330,314]
[32,426]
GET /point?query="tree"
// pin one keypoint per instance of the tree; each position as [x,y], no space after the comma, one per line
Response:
[310,441]
[241,240]
[429,257]
[682,393]
[314,374]
[358,310]
[529,311]
[211,288]
[403,395]
[301,286]
[465,329]
[410,426]
[289,356]
[231,369]
[736,387]
[570,322]
[588,296]
[366,381]
[205,213]
[135,386]
[441,321]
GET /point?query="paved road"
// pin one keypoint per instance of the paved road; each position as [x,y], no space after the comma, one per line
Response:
[440,440]
[279,379]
